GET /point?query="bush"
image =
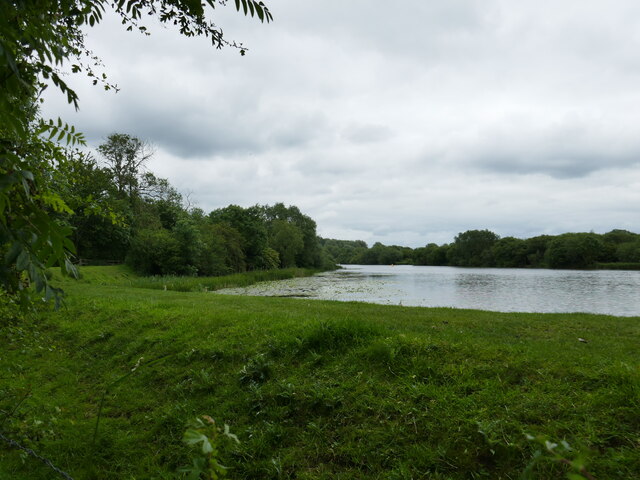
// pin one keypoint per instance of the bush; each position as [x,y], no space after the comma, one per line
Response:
[155,252]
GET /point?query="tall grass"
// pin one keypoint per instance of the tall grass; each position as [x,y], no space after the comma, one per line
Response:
[123,276]
[203,284]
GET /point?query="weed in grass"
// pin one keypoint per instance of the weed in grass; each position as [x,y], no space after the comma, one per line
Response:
[209,440]
[560,453]
[256,371]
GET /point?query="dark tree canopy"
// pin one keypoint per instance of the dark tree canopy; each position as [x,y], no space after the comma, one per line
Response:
[617,249]
[472,248]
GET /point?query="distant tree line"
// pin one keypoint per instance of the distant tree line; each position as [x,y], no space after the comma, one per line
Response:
[119,212]
[483,248]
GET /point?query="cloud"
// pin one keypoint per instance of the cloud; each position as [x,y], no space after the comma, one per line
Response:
[367,133]
[567,149]
[403,123]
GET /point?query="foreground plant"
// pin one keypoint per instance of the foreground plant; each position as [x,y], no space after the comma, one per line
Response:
[561,453]
[211,439]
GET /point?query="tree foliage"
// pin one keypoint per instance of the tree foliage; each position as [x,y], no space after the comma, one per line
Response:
[125,157]
[483,248]
[472,248]
[287,240]
[574,250]
[227,240]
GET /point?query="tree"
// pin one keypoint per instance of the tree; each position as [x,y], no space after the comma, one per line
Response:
[125,157]
[250,224]
[155,252]
[536,249]
[222,253]
[100,222]
[191,246]
[33,237]
[288,241]
[431,254]
[628,252]
[618,236]
[380,254]
[472,248]
[37,39]
[510,252]
[573,250]
[343,251]
[309,255]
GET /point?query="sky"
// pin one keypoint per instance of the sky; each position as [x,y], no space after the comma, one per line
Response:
[404,123]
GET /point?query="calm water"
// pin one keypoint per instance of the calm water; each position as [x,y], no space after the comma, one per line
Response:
[506,290]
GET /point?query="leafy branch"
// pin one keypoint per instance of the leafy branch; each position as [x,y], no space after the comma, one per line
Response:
[558,452]
[211,438]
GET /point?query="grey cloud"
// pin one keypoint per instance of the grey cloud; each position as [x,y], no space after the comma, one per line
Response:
[555,164]
[408,27]
[189,132]
[571,149]
[367,133]
[573,163]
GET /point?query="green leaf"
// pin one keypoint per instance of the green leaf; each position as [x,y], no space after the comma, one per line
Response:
[23,261]
[228,433]
[206,446]
[12,254]
[49,293]
[192,437]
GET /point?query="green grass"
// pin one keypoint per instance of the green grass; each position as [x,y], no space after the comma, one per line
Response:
[315,389]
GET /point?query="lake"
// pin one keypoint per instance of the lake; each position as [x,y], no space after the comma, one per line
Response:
[498,289]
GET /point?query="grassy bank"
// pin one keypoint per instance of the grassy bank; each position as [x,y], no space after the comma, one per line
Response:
[313,389]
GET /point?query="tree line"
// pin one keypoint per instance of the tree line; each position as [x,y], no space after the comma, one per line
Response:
[484,248]
[117,211]
[120,212]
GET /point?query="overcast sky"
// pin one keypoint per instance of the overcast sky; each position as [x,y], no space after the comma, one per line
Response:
[401,122]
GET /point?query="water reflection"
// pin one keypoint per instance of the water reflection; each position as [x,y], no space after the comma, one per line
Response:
[609,292]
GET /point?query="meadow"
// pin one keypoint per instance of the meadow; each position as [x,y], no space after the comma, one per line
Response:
[105,387]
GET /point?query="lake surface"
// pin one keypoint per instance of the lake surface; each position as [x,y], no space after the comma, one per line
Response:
[497,289]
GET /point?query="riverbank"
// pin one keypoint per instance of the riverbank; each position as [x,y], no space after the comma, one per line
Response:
[316,389]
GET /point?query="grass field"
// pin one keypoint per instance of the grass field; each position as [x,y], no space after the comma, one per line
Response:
[315,389]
